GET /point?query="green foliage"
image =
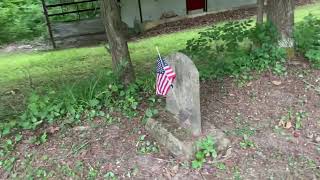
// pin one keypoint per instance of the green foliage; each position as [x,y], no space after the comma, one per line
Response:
[246,143]
[206,148]
[299,117]
[314,57]
[20,19]
[85,100]
[110,176]
[219,40]
[307,34]
[307,38]
[146,146]
[237,48]
[40,109]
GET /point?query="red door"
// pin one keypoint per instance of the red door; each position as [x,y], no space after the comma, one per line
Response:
[195,4]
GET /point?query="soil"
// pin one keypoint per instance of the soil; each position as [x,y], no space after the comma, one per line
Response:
[279,152]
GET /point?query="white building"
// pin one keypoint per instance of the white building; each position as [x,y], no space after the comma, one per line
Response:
[152,10]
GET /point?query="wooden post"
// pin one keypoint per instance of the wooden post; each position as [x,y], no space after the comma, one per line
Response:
[45,11]
[140,11]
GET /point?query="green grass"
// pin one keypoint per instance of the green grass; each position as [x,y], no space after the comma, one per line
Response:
[46,67]
[55,68]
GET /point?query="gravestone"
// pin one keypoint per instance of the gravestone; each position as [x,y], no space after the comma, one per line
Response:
[183,100]
[179,126]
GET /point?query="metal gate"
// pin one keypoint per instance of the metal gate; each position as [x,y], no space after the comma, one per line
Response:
[82,17]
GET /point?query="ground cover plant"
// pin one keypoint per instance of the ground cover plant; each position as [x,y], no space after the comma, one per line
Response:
[272,120]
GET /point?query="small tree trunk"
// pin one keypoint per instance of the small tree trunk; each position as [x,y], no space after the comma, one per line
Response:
[281,14]
[121,61]
[260,11]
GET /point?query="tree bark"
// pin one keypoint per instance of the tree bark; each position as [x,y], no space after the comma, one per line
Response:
[281,14]
[121,61]
[260,11]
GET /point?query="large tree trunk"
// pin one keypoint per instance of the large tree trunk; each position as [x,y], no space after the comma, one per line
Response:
[281,14]
[121,61]
[260,11]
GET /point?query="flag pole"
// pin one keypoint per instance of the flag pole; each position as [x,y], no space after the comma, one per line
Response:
[158,51]
[159,56]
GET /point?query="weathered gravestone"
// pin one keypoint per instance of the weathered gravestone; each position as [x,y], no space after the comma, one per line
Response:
[180,126]
[183,101]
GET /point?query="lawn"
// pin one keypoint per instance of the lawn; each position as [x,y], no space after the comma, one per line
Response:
[46,67]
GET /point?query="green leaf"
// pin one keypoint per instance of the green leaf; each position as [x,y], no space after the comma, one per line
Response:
[197,164]
[200,155]
[18,137]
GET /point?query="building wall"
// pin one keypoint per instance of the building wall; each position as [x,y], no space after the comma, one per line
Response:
[153,9]
[220,5]
[130,12]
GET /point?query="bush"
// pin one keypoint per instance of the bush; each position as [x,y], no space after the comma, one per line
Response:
[20,20]
[307,34]
[235,49]
[307,38]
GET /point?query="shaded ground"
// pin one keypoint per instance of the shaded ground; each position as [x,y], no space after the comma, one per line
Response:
[280,151]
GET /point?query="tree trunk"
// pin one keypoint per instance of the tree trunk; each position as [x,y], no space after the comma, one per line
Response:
[281,14]
[260,11]
[121,61]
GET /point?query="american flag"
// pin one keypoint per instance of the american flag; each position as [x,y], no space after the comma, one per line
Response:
[165,77]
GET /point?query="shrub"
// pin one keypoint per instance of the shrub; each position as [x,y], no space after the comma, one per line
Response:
[307,34]
[20,20]
[307,38]
[235,49]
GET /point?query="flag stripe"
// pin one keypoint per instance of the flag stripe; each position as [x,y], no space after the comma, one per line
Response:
[165,77]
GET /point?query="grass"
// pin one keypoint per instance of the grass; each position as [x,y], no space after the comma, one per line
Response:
[75,63]
[46,67]
[54,68]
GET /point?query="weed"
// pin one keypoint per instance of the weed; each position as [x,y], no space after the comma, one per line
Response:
[236,173]
[286,121]
[206,148]
[150,112]
[221,166]
[246,143]
[37,140]
[132,172]
[66,170]
[146,146]
[76,149]
[92,174]
[299,117]
[110,176]
[8,163]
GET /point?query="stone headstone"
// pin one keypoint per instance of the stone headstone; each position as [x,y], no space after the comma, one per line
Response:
[183,100]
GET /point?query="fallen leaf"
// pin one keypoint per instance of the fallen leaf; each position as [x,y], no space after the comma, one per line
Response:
[277,83]
[288,125]
[281,123]
[296,134]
